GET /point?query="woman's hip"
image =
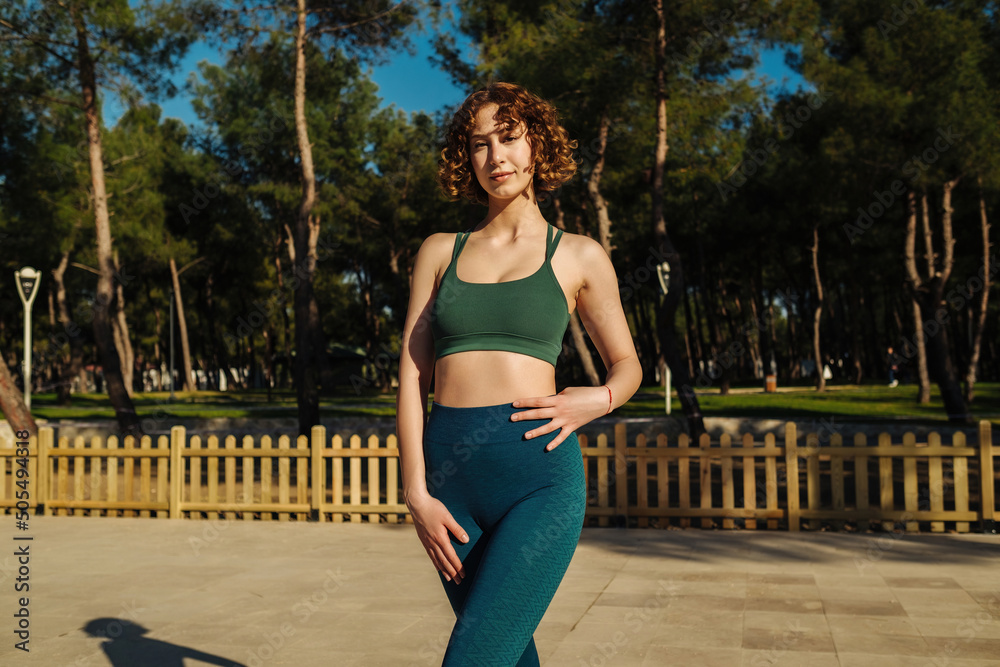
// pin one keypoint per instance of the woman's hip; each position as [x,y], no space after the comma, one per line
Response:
[482,445]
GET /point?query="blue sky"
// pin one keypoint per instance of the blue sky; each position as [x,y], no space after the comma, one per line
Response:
[410,82]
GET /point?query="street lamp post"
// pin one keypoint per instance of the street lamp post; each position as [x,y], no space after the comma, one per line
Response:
[28,280]
[663,274]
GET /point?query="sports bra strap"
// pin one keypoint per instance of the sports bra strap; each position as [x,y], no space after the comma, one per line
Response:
[460,240]
[550,244]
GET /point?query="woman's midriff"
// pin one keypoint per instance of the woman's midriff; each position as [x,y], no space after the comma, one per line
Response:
[490,377]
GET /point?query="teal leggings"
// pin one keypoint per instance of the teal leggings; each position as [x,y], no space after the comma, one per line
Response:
[523,510]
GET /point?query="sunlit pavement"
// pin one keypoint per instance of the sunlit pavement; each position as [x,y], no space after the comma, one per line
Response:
[156,592]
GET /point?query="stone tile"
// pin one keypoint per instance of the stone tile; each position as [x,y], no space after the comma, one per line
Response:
[569,654]
[699,636]
[881,660]
[854,642]
[659,655]
[955,612]
[782,579]
[857,594]
[714,576]
[829,580]
[966,647]
[775,621]
[863,608]
[731,621]
[879,625]
[989,599]
[936,583]
[788,591]
[785,605]
[682,587]
[770,658]
[788,640]
[706,603]
[978,625]
[916,596]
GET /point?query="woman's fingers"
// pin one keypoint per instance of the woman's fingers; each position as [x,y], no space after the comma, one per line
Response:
[435,529]
[447,561]
[556,442]
[542,404]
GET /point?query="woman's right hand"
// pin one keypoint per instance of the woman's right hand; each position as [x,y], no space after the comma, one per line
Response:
[433,522]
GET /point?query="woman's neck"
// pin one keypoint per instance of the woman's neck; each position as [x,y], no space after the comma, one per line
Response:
[513,217]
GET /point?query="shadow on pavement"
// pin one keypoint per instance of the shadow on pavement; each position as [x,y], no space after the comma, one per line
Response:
[125,646]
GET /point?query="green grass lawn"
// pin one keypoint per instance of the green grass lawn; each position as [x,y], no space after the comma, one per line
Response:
[849,402]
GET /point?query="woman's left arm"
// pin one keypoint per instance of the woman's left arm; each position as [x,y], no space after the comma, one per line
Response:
[600,308]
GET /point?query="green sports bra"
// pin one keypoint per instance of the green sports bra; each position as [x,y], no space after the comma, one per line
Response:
[528,315]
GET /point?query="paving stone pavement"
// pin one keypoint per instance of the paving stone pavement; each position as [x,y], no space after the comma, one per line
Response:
[165,593]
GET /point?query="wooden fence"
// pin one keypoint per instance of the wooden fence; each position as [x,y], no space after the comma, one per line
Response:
[750,484]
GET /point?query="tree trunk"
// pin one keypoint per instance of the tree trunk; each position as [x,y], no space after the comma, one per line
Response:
[977,341]
[307,321]
[182,329]
[920,346]
[929,294]
[128,421]
[75,367]
[720,348]
[857,331]
[12,402]
[817,312]
[667,311]
[576,330]
[594,187]
[119,326]
[914,282]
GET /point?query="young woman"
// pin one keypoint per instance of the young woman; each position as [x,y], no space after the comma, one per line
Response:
[494,479]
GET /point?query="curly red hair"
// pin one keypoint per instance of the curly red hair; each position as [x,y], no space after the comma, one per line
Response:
[551,147]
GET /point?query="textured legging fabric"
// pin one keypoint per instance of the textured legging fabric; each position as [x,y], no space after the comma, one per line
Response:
[523,510]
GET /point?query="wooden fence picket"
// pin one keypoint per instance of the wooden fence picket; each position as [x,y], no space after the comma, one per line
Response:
[684,477]
[861,501]
[961,475]
[374,494]
[284,474]
[738,484]
[749,481]
[392,479]
[642,481]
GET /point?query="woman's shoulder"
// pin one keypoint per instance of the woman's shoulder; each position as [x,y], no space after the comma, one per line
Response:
[437,243]
[581,246]
[436,251]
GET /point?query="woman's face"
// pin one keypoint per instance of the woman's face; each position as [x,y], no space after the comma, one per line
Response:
[501,157]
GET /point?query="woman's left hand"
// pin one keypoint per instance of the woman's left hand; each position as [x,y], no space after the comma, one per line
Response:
[568,410]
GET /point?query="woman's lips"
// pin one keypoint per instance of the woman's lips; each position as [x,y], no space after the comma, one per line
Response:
[500,178]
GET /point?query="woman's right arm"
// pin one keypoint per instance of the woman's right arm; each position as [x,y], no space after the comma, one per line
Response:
[432,519]
[416,367]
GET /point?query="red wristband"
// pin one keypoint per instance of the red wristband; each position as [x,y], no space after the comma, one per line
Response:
[609,399]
